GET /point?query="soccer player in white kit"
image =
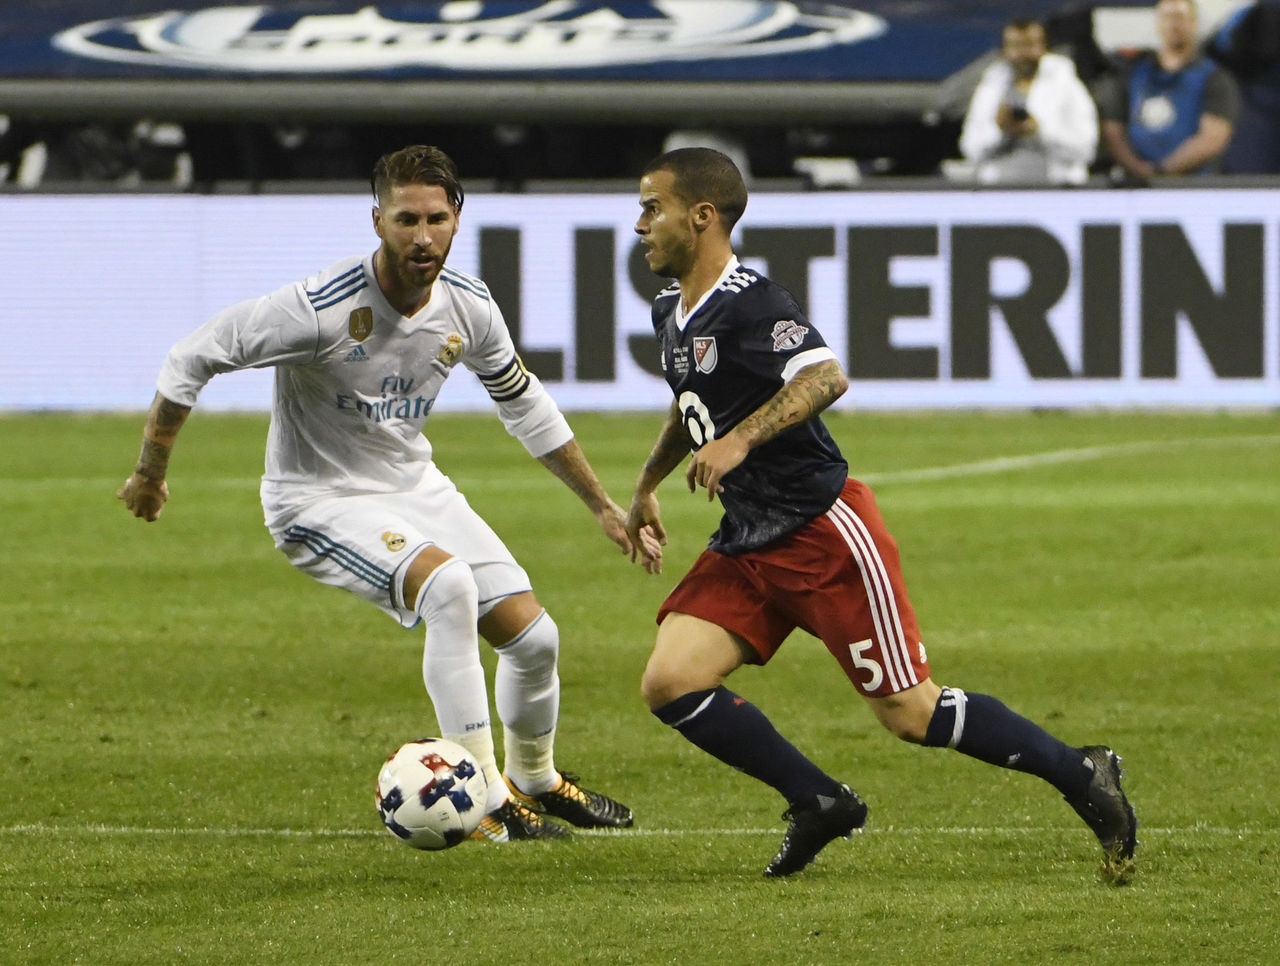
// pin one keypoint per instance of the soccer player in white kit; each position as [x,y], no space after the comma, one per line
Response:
[352,496]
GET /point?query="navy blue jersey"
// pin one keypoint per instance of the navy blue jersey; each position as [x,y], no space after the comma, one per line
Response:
[740,345]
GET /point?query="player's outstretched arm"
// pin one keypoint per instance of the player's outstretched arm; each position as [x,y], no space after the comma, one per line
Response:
[569,464]
[809,392]
[144,493]
[671,447]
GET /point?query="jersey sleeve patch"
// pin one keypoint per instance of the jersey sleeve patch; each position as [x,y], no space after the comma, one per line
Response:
[788,334]
[508,382]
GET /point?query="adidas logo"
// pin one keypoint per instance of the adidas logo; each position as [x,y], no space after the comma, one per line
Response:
[357,355]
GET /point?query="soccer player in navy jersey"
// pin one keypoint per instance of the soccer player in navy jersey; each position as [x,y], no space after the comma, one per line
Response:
[352,494]
[800,544]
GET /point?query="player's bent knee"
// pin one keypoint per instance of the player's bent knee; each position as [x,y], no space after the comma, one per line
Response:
[415,576]
[905,729]
[451,580]
[448,595]
[662,683]
[536,648]
[691,654]
[665,679]
[654,688]
[906,714]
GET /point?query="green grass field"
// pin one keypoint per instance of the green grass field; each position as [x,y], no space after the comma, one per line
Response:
[191,730]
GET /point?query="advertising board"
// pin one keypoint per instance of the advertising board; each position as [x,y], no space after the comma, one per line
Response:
[932,300]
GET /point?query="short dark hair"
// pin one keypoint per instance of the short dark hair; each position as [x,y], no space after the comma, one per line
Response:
[704,174]
[1023,24]
[417,164]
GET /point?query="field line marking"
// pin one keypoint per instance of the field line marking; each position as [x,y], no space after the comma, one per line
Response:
[985,467]
[285,833]
[1006,464]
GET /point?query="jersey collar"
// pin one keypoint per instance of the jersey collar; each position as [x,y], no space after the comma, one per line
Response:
[683,317]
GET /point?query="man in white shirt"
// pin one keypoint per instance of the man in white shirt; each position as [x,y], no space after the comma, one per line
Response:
[352,496]
[1031,119]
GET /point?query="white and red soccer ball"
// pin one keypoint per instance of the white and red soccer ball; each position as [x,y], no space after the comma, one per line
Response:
[431,794]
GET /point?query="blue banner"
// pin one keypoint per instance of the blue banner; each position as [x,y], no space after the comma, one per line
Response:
[669,40]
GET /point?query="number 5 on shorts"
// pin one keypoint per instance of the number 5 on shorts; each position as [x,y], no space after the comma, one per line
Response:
[867,664]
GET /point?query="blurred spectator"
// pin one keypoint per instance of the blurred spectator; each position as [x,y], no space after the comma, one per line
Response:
[725,142]
[91,152]
[121,154]
[1071,33]
[1172,110]
[1031,120]
[160,153]
[22,153]
[318,153]
[1248,45]
[10,150]
[512,151]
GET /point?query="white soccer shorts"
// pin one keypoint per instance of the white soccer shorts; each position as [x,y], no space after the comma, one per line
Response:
[362,543]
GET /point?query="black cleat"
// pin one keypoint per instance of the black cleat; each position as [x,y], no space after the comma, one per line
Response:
[576,805]
[1105,809]
[512,821]
[810,829]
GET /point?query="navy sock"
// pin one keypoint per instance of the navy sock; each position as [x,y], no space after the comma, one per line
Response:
[981,727]
[734,730]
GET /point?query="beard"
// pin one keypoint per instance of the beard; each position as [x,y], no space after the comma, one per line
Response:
[417,273]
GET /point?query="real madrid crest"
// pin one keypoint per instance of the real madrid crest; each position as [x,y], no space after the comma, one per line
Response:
[394,541]
[360,323]
[452,349]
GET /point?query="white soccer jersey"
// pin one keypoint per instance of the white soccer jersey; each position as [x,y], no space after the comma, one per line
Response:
[355,380]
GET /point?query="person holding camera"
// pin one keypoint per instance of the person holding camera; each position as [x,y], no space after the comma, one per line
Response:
[1031,119]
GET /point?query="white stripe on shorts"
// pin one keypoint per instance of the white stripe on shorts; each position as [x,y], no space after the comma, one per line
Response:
[884,607]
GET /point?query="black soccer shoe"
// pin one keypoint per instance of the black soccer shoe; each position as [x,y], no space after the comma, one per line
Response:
[576,805]
[1105,809]
[512,821]
[811,828]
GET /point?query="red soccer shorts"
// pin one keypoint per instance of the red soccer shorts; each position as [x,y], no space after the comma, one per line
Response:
[837,577]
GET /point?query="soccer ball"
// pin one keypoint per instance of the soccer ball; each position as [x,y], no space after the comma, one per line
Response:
[431,794]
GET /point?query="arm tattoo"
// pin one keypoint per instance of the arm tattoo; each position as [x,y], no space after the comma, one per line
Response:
[570,466]
[163,422]
[670,449]
[153,461]
[813,389]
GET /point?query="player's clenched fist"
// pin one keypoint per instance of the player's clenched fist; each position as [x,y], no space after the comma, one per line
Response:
[145,498]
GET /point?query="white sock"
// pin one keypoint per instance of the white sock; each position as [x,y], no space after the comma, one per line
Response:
[480,744]
[526,690]
[451,667]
